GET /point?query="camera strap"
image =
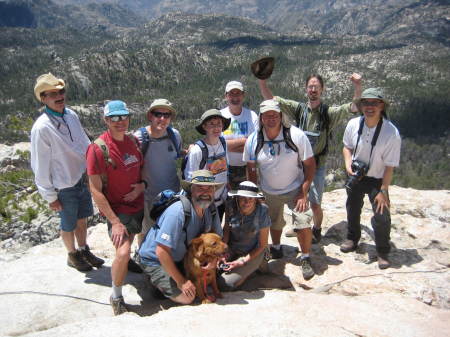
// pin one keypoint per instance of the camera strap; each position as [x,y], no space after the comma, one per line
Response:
[374,138]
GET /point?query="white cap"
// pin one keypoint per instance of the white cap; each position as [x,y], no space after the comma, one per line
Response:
[234,85]
[269,105]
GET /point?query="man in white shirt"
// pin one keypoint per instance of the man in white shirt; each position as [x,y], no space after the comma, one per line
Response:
[243,122]
[371,151]
[58,147]
[286,167]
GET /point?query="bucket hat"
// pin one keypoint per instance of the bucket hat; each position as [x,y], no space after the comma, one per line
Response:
[376,93]
[201,177]
[162,103]
[246,189]
[211,113]
[263,67]
[47,82]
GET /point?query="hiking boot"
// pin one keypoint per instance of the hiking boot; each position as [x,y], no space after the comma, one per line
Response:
[276,253]
[317,235]
[383,262]
[93,260]
[290,233]
[134,267]
[307,270]
[118,305]
[77,261]
[348,246]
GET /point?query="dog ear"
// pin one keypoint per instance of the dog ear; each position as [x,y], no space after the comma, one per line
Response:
[197,246]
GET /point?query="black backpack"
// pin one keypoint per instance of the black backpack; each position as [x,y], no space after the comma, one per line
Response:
[205,154]
[170,134]
[286,138]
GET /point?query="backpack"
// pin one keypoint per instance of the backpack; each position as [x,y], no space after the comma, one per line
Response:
[324,124]
[286,138]
[170,134]
[205,154]
[168,197]
[106,157]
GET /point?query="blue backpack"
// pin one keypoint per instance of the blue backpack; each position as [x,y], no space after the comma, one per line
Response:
[170,134]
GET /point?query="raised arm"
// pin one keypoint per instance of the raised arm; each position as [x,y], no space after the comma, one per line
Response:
[357,89]
[265,91]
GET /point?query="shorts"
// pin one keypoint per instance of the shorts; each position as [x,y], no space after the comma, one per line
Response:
[161,280]
[317,186]
[132,222]
[276,211]
[76,204]
[236,175]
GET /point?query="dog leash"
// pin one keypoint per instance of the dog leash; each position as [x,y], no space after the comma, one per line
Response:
[205,286]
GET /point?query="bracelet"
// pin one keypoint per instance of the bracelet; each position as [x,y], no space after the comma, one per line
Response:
[385,192]
[143,182]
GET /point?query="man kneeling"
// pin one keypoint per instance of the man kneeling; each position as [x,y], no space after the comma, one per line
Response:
[165,245]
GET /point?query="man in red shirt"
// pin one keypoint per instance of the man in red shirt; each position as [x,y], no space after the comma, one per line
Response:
[114,164]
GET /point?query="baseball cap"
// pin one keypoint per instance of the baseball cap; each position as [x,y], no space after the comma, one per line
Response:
[234,85]
[115,108]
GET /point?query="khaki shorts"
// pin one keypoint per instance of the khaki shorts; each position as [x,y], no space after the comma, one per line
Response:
[276,211]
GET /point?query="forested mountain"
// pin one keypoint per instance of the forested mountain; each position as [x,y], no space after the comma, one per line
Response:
[126,50]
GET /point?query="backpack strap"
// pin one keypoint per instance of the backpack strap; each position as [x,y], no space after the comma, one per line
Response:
[288,139]
[301,114]
[259,142]
[224,143]
[145,140]
[324,125]
[205,154]
[108,161]
[174,141]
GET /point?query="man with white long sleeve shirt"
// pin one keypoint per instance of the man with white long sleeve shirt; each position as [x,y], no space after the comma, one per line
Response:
[58,147]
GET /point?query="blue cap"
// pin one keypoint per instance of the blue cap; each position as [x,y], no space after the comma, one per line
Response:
[115,108]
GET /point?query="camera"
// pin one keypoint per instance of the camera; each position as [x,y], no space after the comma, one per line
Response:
[360,169]
[223,266]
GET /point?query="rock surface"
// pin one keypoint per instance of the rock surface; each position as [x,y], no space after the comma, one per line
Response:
[349,296]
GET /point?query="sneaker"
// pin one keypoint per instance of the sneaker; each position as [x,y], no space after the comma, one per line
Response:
[383,262]
[93,260]
[307,270]
[317,235]
[290,233]
[134,267]
[276,253]
[118,305]
[77,261]
[348,246]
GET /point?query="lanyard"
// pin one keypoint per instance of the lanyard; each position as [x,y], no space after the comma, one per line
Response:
[374,138]
[57,123]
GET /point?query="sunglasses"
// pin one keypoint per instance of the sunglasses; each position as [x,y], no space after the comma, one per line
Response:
[119,118]
[272,148]
[159,114]
[54,94]
[370,103]
[202,179]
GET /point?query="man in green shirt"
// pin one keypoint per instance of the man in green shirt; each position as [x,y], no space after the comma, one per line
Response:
[317,120]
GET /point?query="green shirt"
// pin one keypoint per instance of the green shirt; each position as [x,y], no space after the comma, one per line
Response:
[336,115]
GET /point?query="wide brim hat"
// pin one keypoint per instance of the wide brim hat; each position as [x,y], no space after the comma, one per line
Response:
[162,103]
[201,177]
[211,113]
[246,189]
[263,67]
[273,105]
[47,82]
[376,93]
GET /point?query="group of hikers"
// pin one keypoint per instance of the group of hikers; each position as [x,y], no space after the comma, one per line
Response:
[236,180]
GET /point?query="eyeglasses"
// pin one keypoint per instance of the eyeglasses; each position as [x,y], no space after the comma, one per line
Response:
[202,179]
[370,103]
[119,118]
[159,114]
[54,94]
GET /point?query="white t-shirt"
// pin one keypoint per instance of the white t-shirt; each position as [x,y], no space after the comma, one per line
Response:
[386,151]
[278,164]
[241,126]
[216,163]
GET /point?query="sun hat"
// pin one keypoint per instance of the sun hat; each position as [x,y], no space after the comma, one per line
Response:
[376,93]
[201,177]
[246,189]
[263,68]
[162,103]
[234,85]
[47,82]
[115,108]
[273,105]
[211,113]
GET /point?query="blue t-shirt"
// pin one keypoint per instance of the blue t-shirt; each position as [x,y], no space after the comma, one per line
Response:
[168,231]
[244,229]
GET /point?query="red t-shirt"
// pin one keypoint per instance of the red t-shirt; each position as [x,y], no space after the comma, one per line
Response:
[129,162]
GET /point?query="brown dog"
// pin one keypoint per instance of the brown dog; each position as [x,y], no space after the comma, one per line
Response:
[200,264]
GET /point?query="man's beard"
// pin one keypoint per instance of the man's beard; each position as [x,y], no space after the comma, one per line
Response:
[203,202]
